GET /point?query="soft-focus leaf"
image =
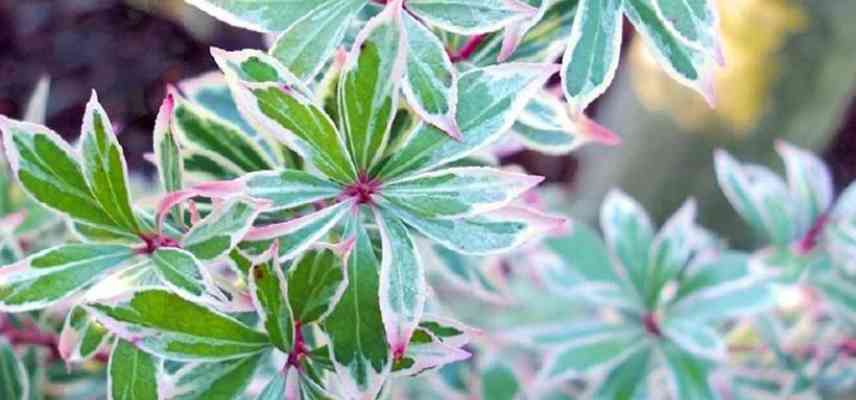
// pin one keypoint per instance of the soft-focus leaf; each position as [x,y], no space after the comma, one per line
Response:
[590,62]
[494,232]
[548,126]
[596,352]
[150,319]
[81,336]
[694,22]
[625,380]
[132,374]
[696,338]
[316,282]
[740,297]
[403,289]
[269,289]
[498,381]
[37,106]
[225,380]
[368,88]
[14,384]
[54,274]
[489,100]
[359,348]
[307,45]
[810,181]
[431,85]
[629,233]
[672,249]
[105,168]
[688,376]
[840,292]
[221,230]
[184,274]
[685,64]
[470,17]
[458,192]
[289,188]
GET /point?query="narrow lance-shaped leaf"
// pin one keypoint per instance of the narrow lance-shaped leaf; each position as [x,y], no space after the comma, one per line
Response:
[671,250]
[458,192]
[132,374]
[37,106]
[430,85]
[360,354]
[470,17]
[221,230]
[694,22]
[628,232]
[490,233]
[368,88]
[148,319]
[434,344]
[269,289]
[688,66]
[810,181]
[403,290]
[316,282]
[688,375]
[287,111]
[597,352]
[54,274]
[489,100]
[185,275]
[167,152]
[308,44]
[627,379]
[14,384]
[105,168]
[744,296]
[48,169]
[224,380]
[81,336]
[696,338]
[289,188]
[590,62]
[515,31]
[261,16]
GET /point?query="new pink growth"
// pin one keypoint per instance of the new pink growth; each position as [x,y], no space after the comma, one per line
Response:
[362,190]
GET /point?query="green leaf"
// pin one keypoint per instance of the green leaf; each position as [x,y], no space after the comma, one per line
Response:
[203,133]
[360,353]
[105,168]
[270,292]
[810,182]
[148,318]
[840,292]
[167,152]
[489,100]
[625,380]
[464,273]
[254,66]
[434,344]
[499,382]
[308,44]
[14,384]
[685,64]
[316,282]
[694,22]
[221,230]
[262,16]
[740,297]
[591,59]
[458,192]
[489,233]
[547,125]
[289,114]
[673,247]
[132,374]
[368,88]
[629,233]
[48,169]
[470,17]
[184,274]
[589,354]
[403,289]
[696,338]
[275,388]
[81,336]
[55,274]
[225,380]
[726,267]
[688,375]
[430,85]
[289,188]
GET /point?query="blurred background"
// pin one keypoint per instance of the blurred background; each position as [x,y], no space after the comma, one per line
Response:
[790,75]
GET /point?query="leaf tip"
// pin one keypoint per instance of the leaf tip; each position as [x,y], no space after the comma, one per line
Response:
[598,132]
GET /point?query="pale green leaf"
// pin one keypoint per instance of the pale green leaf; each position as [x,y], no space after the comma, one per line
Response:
[694,22]
[269,289]
[458,192]
[289,188]
[470,17]
[316,282]
[14,384]
[696,338]
[81,336]
[547,125]
[736,298]
[184,274]
[599,352]
[148,318]
[220,231]
[590,62]
[260,15]
[810,181]
[132,374]
[55,274]
[167,152]
[625,380]
[225,380]
[629,233]
[688,375]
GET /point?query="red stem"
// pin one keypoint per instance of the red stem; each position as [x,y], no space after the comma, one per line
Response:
[468,49]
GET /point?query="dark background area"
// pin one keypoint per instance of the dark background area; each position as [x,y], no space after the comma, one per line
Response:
[130,50]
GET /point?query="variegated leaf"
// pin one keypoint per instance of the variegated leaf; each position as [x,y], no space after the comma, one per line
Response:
[627,380]
[201,334]
[672,248]
[685,64]
[132,374]
[184,274]
[14,383]
[599,352]
[262,16]
[289,188]
[489,101]
[694,22]
[221,230]
[590,62]
[458,192]
[316,282]
[629,234]
[470,17]
[688,375]
[167,152]
[269,289]
[810,181]
[224,380]
[430,85]
[548,126]
[81,336]
[54,274]
[696,338]
[740,297]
